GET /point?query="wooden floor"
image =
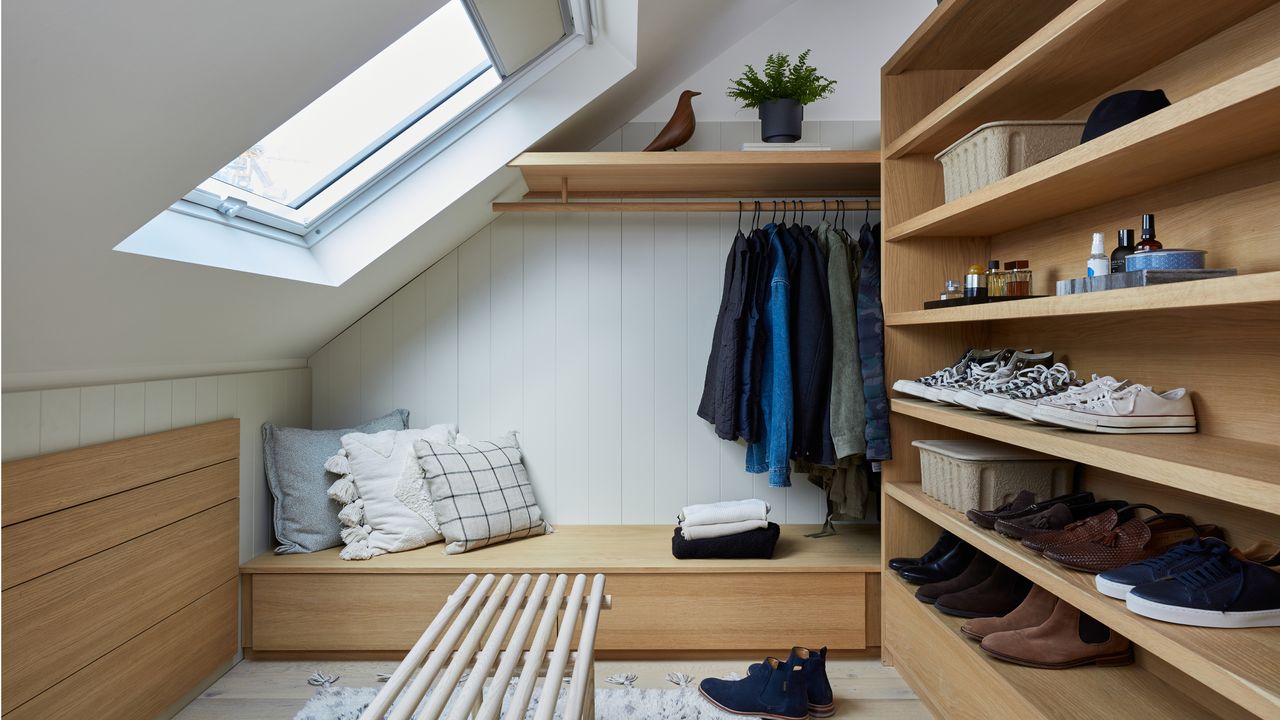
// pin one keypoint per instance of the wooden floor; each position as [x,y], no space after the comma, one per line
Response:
[276,690]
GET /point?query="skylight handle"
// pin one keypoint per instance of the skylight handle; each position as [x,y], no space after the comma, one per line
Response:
[231,207]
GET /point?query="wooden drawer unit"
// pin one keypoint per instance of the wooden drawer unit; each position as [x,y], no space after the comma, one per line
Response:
[318,603]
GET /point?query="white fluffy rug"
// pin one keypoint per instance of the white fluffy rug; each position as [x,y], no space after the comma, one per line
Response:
[340,703]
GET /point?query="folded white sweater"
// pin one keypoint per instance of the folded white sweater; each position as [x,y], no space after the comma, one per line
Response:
[702,532]
[729,511]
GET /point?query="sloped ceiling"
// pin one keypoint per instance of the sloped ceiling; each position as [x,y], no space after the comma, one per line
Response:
[114,110]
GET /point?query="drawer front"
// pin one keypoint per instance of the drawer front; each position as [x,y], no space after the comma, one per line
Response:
[730,611]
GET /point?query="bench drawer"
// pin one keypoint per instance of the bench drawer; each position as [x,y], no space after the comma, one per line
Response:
[336,612]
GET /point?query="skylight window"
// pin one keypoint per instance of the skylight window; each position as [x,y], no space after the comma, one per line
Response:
[387,109]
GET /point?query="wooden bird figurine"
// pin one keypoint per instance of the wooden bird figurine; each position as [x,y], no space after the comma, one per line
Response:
[679,128]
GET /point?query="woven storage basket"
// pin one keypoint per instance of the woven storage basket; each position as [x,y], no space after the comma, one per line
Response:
[984,474]
[997,150]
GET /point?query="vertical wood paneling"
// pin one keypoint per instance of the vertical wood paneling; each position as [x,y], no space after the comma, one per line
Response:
[604,368]
[344,351]
[571,351]
[705,280]
[21,424]
[442,342]
[638,354]
[409,347]
[636,135]
[157,406]
[131,410]
[377,381]
[184,402]
[97,414]
[49,420]
[207,400]
[59,419]
[671,364]
[538,441]
[506,293]
[474,335]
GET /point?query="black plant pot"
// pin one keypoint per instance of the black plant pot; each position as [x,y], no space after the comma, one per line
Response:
[780,121]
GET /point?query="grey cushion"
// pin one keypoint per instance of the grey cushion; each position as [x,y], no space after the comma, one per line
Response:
[480,492]
[306,520]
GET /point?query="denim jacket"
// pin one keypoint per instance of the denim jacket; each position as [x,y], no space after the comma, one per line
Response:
[771,451]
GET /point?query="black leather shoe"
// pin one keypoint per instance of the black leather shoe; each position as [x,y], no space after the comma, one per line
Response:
[976,572]
[944,568]
[946,541]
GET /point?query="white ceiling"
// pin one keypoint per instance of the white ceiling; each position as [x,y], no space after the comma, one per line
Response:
[114,110]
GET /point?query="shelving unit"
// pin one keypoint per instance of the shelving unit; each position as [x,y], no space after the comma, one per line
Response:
[1208,166]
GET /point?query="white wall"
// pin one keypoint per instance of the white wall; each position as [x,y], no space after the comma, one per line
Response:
[45,421]
[851,40]
[589,334]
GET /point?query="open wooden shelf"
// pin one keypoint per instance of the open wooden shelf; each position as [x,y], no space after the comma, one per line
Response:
[1088,49]
[1240,664]
[782,173]
[1226,124]
[962,34]
[1237,471]
[1083,692]
[1217,292]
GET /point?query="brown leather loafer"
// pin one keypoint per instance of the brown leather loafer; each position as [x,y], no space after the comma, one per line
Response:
[1054,518]
[1067,639]
[1002,592]
[1128,542]
[1033,612]
[1087,529]
[979,569]
[1023,504]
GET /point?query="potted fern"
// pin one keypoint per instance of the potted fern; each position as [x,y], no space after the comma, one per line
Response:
[781,94]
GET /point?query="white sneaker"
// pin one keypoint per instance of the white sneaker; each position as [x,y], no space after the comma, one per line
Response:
[970,395]
[1129,410]
[1024,409]
[1030,385]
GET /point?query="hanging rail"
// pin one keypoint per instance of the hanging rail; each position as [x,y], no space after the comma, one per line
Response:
[698,207]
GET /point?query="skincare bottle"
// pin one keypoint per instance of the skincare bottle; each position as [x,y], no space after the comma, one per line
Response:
[1123,250]
[1099,264]
[1148,242]
[975,282]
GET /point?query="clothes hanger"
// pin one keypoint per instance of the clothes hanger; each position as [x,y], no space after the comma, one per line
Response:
[866,218]
[739,217]
[755,218]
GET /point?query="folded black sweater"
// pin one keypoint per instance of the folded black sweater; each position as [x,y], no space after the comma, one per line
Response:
[752,544]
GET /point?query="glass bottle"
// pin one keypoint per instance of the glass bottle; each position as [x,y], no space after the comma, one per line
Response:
[995,279]
[1123,250]
[975,282]
[1148,242]
[1018,282]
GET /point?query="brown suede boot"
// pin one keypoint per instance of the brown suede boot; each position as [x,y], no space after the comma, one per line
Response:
[1033,612]
[1067,639]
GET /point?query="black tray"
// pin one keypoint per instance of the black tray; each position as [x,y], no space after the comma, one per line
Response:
[957,302]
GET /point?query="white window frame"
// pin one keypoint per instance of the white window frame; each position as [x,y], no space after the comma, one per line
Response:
[205,205]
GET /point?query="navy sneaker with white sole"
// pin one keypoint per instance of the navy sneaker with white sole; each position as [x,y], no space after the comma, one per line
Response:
[1179,559]
[1222,592]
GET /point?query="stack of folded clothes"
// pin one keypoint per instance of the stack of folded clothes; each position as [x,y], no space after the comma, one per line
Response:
[731,529]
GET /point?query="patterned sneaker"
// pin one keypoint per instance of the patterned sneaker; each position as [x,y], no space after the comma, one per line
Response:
[1129,410]
[920,388]
[979,365]
[972,394]
[1028,386]
[1072,396]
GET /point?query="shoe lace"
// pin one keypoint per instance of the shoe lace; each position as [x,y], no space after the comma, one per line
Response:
[1176,554]
[1108,399]
[1219,567]
[1044,381]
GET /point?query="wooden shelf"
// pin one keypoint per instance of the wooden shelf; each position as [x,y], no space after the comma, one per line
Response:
[1089,692]
[966,34]
[1241,665]
[783,173]
[1087,50]
[1226,124]
[1217,292]
[1235,471]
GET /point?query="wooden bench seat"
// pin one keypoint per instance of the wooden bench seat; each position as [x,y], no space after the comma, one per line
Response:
[814,592]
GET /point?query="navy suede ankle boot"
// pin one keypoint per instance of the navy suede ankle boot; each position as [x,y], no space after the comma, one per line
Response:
[819,696]
[776,691]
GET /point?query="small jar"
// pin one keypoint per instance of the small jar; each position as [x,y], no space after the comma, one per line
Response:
[975,282]
[951,290]
[1018,278]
